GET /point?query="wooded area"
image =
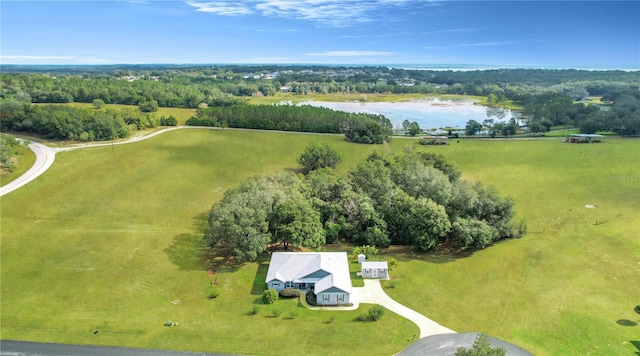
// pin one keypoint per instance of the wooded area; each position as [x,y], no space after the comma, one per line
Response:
[414,199]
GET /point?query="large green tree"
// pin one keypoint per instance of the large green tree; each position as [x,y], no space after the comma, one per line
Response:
[472,127]
[316,156]
[295,223]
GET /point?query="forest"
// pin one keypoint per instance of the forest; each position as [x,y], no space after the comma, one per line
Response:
[360,128]
[548,97]
[411,198]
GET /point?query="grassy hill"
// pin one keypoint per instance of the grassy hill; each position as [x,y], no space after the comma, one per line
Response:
[108,240]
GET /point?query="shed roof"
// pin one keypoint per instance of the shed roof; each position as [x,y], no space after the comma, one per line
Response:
[375,264]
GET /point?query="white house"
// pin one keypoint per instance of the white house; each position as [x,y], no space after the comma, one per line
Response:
[324,273]
[375,270]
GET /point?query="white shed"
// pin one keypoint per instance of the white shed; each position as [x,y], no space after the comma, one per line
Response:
[378,270]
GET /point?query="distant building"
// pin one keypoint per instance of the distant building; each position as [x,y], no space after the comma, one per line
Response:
[585,138]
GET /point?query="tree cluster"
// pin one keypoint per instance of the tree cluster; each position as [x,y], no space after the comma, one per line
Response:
[554,109]
[72,123]
[414,199]
[8,151]
[357,127]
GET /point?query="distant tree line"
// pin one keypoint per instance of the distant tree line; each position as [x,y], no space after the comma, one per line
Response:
[553,109]
[414,199]
[548,96]
[63,122]
[357,127]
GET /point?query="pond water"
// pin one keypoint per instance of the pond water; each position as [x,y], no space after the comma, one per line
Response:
[428,113]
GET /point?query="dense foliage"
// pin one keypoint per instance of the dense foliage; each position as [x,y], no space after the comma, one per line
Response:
[364,128]
[71,123]
[317,156]
[8,151]
[411,199]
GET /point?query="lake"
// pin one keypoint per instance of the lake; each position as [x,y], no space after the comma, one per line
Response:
[428,113]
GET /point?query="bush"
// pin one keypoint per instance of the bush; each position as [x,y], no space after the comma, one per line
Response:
[362,317]
[168,121]
[311,299]
[254,310]
[290,293]
[275,313]
[269,296]
[376,312]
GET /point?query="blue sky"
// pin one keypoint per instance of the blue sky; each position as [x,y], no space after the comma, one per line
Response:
[572,34]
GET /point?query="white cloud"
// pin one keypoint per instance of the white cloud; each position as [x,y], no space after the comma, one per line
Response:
[337,13]
[350,54]
[227,8]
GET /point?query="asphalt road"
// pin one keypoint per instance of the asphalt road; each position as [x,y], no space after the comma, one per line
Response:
[44,159]
[26,348]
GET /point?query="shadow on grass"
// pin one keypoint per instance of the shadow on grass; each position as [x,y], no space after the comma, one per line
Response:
[189,253]
[259,284]
[637,345]
[626,322]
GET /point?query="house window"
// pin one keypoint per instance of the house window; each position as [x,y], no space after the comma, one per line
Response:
[312,286]
[340,298]
[366,271]
[302,286]
[288,285]
[325,297]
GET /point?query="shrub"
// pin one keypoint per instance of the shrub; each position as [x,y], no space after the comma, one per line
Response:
[293,314]
[290,293]
[311,299]
[362,317]
[168,121]
[269,296]
[376,312]
[254,310]
[276,313]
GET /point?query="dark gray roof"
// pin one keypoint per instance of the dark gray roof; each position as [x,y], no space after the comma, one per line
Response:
[447,344]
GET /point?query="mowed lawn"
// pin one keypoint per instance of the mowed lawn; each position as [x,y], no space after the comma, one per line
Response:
[569,286]
[108,240]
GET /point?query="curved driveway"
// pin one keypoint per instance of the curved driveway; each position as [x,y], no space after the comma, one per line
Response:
[372,293]
[46,155]
[44,159]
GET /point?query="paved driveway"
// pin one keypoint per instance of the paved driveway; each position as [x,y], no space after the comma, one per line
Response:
[372,293]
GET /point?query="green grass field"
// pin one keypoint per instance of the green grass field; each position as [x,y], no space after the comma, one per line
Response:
[108,239]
